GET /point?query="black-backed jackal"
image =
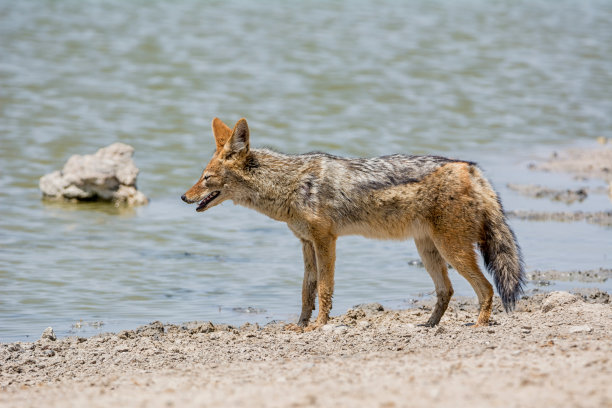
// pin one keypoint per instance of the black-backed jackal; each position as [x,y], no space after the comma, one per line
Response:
[446,205]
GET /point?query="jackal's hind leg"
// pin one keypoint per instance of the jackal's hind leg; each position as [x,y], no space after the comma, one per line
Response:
[461,255]
[309,285]
[436,267]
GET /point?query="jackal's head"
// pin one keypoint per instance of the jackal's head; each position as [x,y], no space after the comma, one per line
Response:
[218,180]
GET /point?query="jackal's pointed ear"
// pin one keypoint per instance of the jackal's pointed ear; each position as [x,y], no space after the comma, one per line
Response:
[239,142]
[221,132]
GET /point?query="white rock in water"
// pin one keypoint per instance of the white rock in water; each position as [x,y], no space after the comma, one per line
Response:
[48,334]
[109,175]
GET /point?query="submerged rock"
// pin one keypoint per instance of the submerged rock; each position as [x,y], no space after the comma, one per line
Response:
[107,175]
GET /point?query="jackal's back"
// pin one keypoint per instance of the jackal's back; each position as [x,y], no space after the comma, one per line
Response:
[367,196]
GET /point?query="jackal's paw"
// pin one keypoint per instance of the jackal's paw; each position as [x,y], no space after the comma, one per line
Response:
[429,323]
[294,327]
[312,327]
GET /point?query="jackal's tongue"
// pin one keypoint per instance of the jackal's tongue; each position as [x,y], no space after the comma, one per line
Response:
[207,200]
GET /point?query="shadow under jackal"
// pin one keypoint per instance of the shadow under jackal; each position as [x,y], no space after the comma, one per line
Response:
[446,205]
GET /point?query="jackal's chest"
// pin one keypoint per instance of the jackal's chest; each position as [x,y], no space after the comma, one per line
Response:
[301,229]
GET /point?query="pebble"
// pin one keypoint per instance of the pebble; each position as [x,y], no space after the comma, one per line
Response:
[580,329]
[341,329]
[14,347]
[364,324]
[48,334]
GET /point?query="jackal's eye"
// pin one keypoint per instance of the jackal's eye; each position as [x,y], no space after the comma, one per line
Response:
[206,177]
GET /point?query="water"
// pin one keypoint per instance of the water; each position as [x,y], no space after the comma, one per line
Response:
[496,82]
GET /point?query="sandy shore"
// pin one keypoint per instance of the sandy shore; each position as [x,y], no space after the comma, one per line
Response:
[554,350]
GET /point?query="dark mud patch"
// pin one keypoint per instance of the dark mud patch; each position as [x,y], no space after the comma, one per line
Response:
[592,275]
[603,218]
[566,196]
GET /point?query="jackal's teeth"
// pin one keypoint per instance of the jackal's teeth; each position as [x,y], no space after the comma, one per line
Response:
[207,200]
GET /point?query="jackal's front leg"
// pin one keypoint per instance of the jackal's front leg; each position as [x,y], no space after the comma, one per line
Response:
[325,251]
[309,285]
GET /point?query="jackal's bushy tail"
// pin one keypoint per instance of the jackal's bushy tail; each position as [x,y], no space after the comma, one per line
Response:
[502,256]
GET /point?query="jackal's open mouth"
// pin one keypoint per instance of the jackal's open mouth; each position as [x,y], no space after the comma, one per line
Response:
[207,200]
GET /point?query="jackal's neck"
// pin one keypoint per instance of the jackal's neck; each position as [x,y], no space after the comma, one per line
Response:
[268,184]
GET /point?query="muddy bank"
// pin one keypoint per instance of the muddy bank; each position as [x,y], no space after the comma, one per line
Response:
[583,163]
[567,196]
[603,218]
[553,350]
[591,275]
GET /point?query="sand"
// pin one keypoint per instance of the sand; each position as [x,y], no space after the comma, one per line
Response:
[554,350]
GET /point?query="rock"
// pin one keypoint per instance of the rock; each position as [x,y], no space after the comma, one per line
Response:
[154,329]
[555,299]
[126,334]
[335,329]
[370,308]
[107,175]
[245,327]
[580,329]
[199,327]
[355,314]
[14,347]
[48,334]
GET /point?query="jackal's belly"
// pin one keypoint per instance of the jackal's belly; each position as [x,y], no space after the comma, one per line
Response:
[382,230]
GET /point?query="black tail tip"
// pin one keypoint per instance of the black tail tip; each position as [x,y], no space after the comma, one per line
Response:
[510,299]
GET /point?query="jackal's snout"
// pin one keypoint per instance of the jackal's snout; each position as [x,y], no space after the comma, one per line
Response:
[188,200]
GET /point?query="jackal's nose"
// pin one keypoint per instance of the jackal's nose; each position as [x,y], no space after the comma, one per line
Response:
[184,198]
